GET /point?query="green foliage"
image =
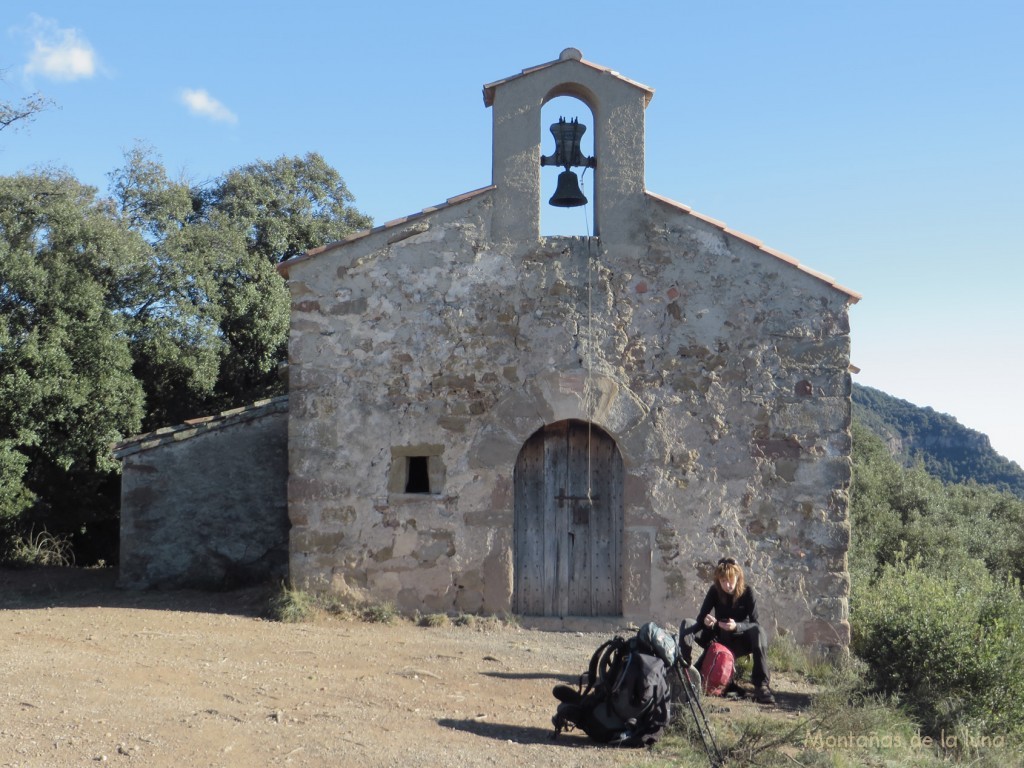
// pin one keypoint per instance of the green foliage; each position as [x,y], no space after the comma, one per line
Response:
[289,206]
[21,113]
[15,498]
[41,549]
[208,311]
[292,606]
[195,286]
[379,613]
[846,726]
[841,728]
[949,643]
[760,741]
[784,655]
[936,441]
[66,385]
[296,605]
[898,512]
[936,607]
[125,314]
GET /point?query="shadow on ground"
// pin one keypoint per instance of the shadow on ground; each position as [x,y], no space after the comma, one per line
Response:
[55,587]
[567,679]
[792,702]
[785,700]
[518,734]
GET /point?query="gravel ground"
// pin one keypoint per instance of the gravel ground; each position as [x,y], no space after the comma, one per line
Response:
[93,675]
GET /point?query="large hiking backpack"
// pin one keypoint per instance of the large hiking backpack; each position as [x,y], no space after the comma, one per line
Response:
[625,697]
[716,669]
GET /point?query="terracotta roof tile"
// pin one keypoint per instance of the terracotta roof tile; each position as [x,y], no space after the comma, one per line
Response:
[313,252]
[489,88]
[698,215]
[854,297]
[456,200]
[742,236]
[396,222]
[780,255]
[192,427]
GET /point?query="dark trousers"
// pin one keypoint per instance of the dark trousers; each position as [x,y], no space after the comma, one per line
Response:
[753,641]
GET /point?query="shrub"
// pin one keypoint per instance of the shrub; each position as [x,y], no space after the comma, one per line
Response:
[40,549]
[784,655]
[379,613]
[292,606]
[949,644]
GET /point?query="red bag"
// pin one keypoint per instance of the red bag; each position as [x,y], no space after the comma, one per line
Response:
[716,669]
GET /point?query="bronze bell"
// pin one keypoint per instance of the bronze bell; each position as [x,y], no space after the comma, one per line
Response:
[567,154]
[568,193]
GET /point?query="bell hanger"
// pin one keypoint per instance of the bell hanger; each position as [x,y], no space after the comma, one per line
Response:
[568,135]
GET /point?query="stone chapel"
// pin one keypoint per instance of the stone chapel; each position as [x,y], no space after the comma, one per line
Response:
[569,429]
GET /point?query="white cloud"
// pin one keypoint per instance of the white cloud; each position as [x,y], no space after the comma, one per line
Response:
[199,102]
[59,54]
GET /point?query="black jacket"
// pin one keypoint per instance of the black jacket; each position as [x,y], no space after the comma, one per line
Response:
[743,610]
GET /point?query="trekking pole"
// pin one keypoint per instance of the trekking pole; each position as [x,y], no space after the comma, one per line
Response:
[700,719]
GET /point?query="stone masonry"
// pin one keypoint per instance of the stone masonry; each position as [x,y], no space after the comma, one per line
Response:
[718,366]
[203,504]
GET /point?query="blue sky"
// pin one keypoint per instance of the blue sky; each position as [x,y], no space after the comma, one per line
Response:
[878,142]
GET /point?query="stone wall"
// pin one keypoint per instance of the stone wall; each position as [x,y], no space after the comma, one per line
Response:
[718,366]
[438,344]
[204,504]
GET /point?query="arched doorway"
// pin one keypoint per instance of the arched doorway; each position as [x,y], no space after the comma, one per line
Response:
[568,523]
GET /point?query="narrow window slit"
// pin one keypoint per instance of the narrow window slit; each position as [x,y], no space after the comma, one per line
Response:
[417,477]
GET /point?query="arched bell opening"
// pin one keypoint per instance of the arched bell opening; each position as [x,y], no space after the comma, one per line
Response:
[572,219]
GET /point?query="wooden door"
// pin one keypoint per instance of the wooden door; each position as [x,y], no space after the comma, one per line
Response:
[568,523]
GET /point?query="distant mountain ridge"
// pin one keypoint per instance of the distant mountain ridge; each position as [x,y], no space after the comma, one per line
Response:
[950,451]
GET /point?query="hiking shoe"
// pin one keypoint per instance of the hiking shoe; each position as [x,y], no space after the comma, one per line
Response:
[560,725]
[763,695]
[734,692]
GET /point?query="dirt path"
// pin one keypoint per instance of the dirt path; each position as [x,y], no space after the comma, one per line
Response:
[92,674]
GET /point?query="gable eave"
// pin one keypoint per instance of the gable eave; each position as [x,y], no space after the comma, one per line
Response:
[490,88]
[284,266]
[198,426]
[852,296]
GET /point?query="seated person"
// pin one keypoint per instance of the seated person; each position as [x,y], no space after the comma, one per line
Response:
[734,625]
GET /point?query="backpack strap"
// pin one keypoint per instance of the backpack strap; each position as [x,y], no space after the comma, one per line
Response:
[602,662]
